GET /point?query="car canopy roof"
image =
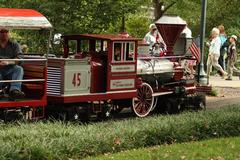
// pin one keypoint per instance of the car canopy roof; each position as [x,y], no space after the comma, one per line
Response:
[111,37]
[23,19]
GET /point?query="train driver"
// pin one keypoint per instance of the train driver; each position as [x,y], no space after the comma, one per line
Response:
[154,39]
[10,69]
[117,53]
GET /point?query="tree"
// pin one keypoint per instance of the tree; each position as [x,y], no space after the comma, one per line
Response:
[104,16]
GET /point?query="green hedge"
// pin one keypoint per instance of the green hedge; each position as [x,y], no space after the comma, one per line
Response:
[62,141]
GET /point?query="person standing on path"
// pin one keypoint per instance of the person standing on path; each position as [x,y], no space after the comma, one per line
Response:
[214,53]
[223,47]
[232,57]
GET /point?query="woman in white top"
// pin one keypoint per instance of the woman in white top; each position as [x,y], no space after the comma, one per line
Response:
[214,53]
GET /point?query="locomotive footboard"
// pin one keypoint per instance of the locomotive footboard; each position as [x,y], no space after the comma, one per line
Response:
[31,106]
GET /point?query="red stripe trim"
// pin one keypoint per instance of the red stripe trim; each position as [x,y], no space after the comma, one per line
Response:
[9,12]
[91,97]
[21,103]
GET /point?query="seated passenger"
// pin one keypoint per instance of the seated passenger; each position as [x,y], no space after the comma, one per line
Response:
[10,69]
[117,54]
[24,49]
[130,56]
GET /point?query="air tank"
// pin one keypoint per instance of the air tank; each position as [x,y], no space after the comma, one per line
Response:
[155,69]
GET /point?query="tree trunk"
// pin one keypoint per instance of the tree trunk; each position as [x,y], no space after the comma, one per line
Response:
[160,9]
[157,9]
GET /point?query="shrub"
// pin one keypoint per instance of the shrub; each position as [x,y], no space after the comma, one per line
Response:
[214,92]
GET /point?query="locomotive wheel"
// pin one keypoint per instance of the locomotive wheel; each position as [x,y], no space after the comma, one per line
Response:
[143,103]
[155,102]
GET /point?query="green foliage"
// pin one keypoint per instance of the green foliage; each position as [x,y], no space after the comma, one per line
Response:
[226,9]
[87,16]
[104,16]
[190,10]
[214,92]
[138,25]
[36,40]
[68,141]
[83,16]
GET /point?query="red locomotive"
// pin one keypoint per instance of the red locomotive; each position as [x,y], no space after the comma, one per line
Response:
[101,74]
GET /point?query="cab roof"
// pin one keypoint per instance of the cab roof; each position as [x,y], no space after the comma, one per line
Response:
[23,19]
[111,37]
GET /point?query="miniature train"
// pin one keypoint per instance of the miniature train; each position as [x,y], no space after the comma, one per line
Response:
[88,81]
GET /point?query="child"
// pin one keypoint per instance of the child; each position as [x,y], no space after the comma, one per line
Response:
[232,57]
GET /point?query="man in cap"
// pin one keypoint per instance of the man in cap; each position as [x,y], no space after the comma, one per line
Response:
[232,57]
[9,69]
[153,38]
[150,37]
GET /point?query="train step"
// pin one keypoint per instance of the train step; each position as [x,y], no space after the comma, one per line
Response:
[204,89]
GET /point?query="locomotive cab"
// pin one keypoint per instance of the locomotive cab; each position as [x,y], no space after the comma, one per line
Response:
[94,67]
[94,76]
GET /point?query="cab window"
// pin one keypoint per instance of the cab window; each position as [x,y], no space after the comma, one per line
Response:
[123,51]
[117,52]
[101,46]
[72,46]
[84,45]
[98,47]
[105,46]
[129,51]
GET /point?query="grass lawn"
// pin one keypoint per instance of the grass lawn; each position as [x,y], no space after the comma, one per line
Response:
[214,149]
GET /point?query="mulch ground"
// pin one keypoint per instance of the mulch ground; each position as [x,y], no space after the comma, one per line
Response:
[226,96]
[228,92]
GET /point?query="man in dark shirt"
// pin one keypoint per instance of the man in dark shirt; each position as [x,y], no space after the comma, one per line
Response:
[10,69]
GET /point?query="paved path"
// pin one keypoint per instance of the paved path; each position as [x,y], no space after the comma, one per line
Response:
[217,81]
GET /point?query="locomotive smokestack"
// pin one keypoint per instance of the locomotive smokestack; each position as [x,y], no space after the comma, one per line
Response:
[170,28]
[123,25]
[123,33]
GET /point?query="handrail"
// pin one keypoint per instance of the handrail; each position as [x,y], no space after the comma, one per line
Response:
[162,57]
[24,80]
[44,59]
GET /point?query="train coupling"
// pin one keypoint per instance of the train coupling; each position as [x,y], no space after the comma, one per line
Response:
[179,90]
[182,90]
